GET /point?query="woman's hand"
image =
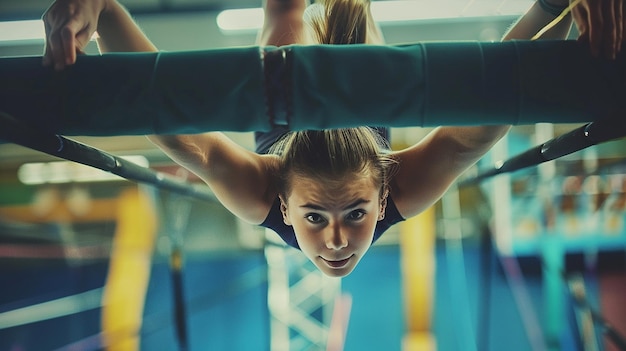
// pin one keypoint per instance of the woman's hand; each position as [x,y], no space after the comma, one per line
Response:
[601,24]
[69,25]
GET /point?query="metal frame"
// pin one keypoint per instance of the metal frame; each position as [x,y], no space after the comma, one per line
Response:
[300,298]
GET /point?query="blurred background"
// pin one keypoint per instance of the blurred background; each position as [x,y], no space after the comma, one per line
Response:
[529,261]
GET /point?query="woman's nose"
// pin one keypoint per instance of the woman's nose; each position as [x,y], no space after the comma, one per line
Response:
[335,238]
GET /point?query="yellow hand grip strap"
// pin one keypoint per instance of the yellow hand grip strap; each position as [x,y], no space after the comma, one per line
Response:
[555,21]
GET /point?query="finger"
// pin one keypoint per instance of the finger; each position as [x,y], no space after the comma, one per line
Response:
[580,18]
[595,22]
[57,52]
[68,37]
[52,56]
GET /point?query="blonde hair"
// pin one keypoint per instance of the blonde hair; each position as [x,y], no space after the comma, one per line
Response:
[331,155]
[338,21]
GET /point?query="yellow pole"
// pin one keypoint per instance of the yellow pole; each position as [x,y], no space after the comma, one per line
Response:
[417,251]
[129,271]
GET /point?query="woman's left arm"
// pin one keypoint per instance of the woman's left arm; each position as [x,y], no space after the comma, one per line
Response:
[536,18]
[427,169]
[430,167]
[600,24]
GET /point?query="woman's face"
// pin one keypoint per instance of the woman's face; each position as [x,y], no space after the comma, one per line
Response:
[334,221]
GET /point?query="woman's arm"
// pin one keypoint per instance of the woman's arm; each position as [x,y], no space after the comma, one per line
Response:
[429,168]
[118,32]
[535,19]
[241,179]
[282,24]
[600,23]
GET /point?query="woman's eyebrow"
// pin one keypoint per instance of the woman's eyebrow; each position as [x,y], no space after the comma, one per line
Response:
[354,204]
[313,207]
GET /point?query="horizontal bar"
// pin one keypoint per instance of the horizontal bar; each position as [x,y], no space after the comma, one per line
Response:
[316,87]
[578,139]
[16,132]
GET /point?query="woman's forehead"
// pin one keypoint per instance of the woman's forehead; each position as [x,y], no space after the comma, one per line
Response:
[335,191]
[362,178]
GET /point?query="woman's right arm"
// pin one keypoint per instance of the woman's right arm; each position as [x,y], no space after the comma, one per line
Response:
[241,179]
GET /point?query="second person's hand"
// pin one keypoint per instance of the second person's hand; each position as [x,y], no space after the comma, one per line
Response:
[601,24]
[69,25]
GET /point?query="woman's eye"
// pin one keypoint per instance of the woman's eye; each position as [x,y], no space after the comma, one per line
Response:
[314,218]
[356,215]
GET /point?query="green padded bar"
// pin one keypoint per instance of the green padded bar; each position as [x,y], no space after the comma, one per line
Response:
[425,84]
[138,93]
[455,83]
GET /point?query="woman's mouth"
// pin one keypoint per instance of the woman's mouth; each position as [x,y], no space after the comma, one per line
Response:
[337,263]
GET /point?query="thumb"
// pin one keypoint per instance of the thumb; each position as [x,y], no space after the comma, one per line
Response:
[579,14]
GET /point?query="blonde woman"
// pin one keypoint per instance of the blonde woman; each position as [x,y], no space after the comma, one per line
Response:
[329,193]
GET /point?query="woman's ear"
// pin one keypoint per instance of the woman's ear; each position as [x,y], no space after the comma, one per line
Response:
[283,210]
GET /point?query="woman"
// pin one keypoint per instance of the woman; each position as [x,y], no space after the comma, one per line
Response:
[329,193]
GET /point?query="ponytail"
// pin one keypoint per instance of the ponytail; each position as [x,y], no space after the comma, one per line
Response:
[338,21]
